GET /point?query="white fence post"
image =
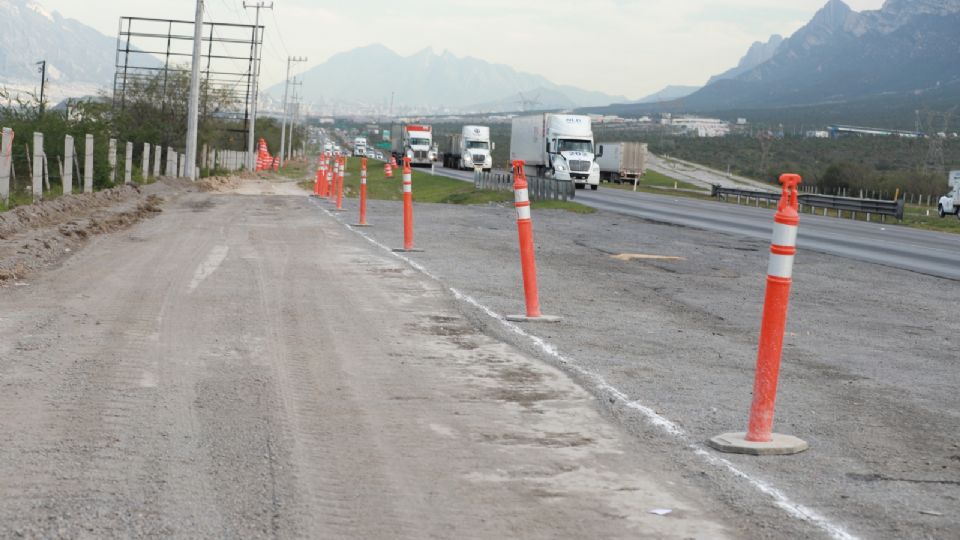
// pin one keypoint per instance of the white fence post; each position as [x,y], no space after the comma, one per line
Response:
[68,165]
[145,167]
[112,160]
[182,168]
[6,154]
[37,167]
[157,154]
[88,165]
[128,164]
[171,162]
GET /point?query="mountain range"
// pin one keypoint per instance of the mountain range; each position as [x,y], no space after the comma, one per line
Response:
[907,48]
[438,81]
[75,53]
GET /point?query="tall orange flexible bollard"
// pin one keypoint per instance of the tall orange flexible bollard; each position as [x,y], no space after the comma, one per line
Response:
[407,207]
[343,166]
[322,177]
[759,438]
[528,259]
[363,193]
[331,179]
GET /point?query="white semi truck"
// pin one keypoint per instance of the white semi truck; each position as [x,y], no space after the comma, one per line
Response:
[470,149]
[950,203]
[622,161]
[414,141]
[556,145]
[360,146]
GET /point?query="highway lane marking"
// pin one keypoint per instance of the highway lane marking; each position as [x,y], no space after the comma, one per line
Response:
[780,499]
[209,266]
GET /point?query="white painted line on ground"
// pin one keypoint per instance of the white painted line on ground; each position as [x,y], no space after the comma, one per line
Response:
[796,510]
[209,266]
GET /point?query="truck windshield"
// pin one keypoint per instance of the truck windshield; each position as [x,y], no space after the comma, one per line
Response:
[419,142]
[477,145]
[571,145]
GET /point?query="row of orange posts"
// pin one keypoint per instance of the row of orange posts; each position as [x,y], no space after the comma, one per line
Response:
[759,438]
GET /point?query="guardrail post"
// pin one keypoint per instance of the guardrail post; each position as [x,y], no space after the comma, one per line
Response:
[759,438]
[528,262]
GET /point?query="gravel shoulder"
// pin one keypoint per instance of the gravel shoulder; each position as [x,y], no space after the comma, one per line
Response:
[869,376]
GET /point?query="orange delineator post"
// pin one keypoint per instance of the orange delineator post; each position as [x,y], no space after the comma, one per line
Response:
[759,438]
[528,261]
[387,170]
[343,163]
[363,191]
[332,177]
[407,205]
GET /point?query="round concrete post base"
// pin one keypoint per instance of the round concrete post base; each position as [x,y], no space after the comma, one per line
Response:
[736,443]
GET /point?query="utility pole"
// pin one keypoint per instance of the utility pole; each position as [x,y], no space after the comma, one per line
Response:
[193,113]
[255,73]
[286,91]
[295,101]
[43,81]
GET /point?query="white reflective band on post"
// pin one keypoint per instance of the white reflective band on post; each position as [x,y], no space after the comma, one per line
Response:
[521,195]
[407,177]
[781,266]
[523,212]
[363,177]
[784,235]
[407,187]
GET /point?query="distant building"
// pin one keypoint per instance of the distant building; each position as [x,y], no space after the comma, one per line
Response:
[741,121]
[838,131]
[817,134]
[702,127]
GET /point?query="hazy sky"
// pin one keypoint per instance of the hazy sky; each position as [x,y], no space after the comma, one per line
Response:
[624,47]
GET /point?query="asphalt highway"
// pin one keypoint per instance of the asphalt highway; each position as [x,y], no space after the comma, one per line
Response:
[927,252]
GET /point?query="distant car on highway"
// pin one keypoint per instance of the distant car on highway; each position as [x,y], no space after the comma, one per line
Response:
[380,156]
[950,203]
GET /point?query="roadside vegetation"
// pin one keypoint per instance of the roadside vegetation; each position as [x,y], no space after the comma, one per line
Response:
[153,111]
[428,188]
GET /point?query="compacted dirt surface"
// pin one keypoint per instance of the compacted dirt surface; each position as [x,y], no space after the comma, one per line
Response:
[245,366]
[660,322]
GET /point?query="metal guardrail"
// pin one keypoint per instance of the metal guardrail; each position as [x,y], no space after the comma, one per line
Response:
[869,207]
[540,189]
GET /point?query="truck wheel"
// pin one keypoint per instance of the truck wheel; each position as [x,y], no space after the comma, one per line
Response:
[594,187]
[940,211]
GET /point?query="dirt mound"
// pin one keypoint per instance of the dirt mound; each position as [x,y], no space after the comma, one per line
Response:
[223,183]
[42,234]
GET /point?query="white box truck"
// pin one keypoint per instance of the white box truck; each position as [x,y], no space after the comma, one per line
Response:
[950,203]
[470,149]
[414,141]
[360,146]
[556,145]
[620,161]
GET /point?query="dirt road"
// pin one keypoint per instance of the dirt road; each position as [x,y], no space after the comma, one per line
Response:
[242,366]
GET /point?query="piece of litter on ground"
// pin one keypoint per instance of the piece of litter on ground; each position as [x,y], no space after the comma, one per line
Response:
[661,511]
[931,513]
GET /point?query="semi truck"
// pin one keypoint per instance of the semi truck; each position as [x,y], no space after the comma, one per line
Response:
[414,141]
[556,145]
[360,146]
[950,203]
[622,161]
[470,149]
